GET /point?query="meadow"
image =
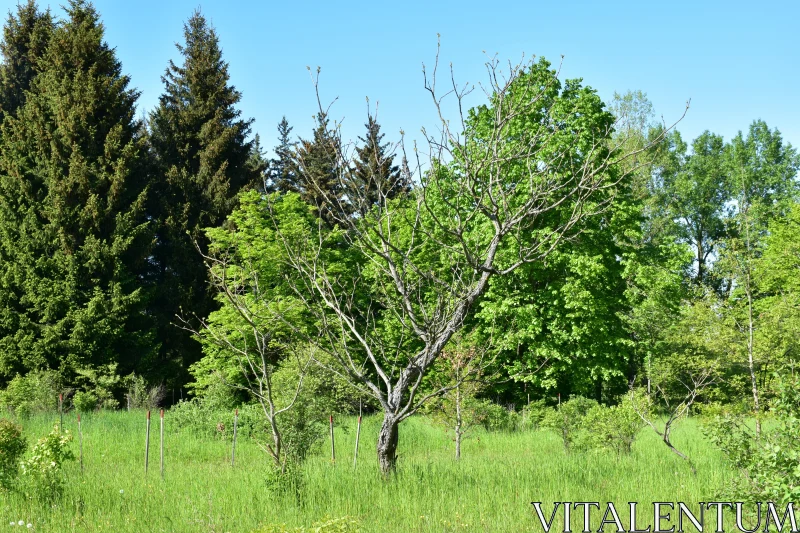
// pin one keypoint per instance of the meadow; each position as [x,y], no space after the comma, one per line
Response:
[489,489]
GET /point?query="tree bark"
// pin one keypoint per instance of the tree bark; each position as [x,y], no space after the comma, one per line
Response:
[458,422]
[387,444]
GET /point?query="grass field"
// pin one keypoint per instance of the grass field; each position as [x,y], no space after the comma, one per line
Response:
[490,489]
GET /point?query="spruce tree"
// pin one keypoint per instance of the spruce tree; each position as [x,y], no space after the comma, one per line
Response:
[281,168]
[25,39]
[374,175]
[204,159]
[317,169]
[74,240]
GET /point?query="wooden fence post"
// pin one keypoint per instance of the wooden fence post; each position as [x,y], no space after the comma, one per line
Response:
[233,449]
[333,445]
[61,412]
[80,441]
[358,435]
[162,444]
[147,443]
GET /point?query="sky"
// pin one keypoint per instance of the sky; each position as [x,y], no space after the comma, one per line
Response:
[736,61]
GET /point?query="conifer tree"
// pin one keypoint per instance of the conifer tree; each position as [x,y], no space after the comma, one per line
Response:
[25,39]
[374,172]
[204,158]
[73,233]
[317,167]
[281,171]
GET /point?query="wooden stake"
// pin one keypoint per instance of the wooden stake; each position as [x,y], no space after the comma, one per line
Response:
[333,446]
[80,441]
[147,443]
[358,434]
[233,449]
[61,412]
[162,444]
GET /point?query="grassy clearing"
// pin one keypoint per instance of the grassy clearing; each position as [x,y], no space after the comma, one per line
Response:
[490,489]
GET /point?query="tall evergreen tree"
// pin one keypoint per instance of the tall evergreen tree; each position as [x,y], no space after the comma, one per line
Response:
[204,158]
[374,174]
[318,167]
[281,168]
[73,233]
[25,39]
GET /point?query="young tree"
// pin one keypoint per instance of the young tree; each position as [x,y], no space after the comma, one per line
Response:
[204,160]
[75,238]
[524,175]
[762,176]
[25,40]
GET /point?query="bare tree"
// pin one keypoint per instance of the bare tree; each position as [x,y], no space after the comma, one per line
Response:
[499,186]
[677,384]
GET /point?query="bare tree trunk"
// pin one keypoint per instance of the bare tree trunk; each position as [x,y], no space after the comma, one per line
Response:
[387,444]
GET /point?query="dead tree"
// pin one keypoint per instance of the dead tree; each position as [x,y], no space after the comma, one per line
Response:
[498,186]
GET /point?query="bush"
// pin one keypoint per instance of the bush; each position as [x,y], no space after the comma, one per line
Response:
[12,446]
[567,420]
[42,469]
[84,402]
[499,418]
[769,464]
[613,427]
[140,396]
[533,415]
[198,418]
[35,392]
[101,382]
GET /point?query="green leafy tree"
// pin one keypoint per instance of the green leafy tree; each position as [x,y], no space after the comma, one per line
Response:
[204,160]
[25,40]
[73,187]
[697,195]
[763,179]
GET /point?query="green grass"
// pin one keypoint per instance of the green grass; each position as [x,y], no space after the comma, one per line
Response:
[490,489]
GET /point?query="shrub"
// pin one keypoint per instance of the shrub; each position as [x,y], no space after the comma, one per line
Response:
[499,418]
[12,446]
[43,468]
[198,418]
[101,381]
[567,420]
[613,427]
[32,393]
[769,464]
[533,415]
[140,396]
[84,402]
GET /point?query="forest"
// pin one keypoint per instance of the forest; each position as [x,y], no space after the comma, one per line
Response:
[541,261]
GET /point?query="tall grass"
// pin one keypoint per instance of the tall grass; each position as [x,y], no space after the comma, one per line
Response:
[490,489]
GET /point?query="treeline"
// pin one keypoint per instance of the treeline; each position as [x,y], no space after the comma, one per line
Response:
[103,214]
[690,257]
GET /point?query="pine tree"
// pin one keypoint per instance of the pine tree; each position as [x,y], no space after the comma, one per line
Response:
[259,165]
[74,240]
[204,158]
[25,39]
[374,176]
[317,167]
[281,167]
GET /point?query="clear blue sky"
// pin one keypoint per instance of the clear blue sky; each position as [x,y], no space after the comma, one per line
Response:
[737,61]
